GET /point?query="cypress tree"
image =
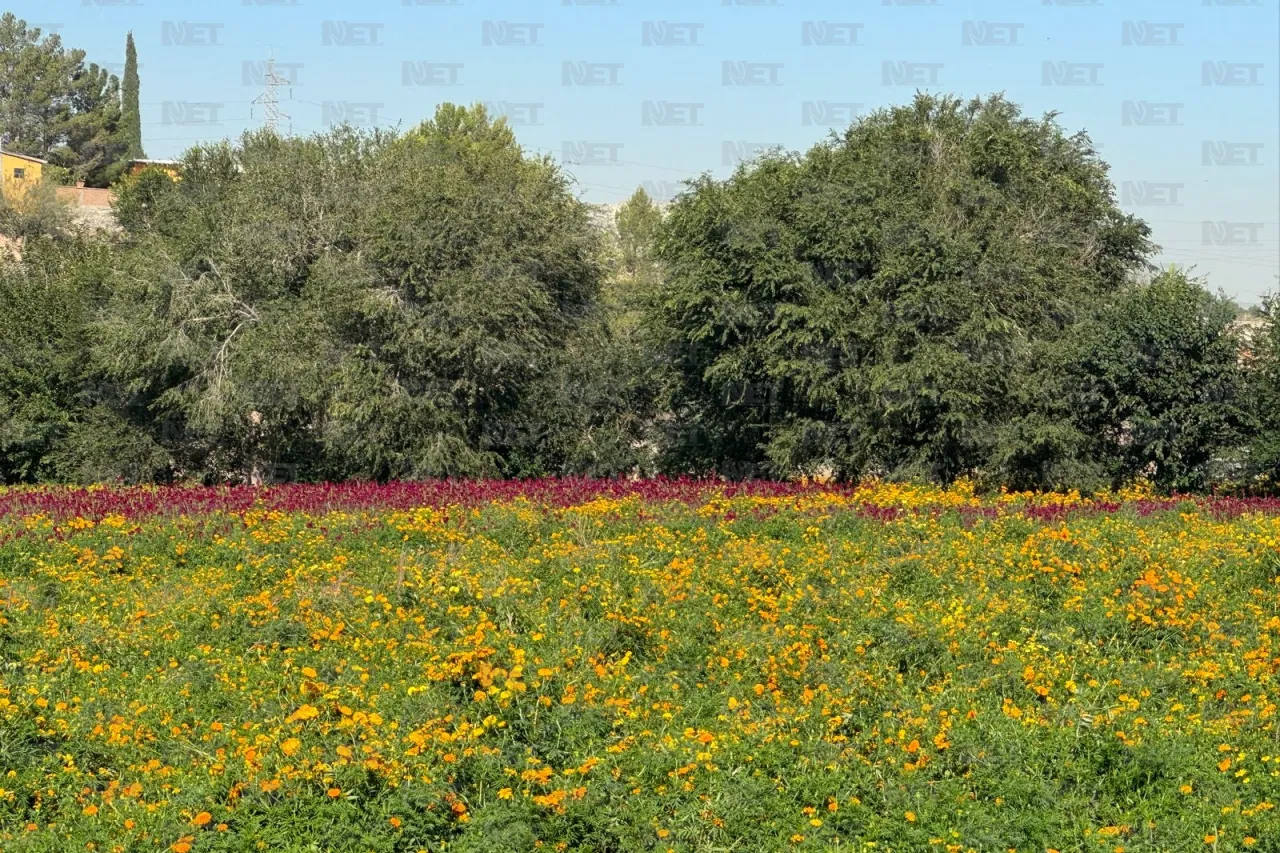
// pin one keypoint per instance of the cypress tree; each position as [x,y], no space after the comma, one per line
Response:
[132,116]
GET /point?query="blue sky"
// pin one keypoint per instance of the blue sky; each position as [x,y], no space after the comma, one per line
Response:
[1189,144]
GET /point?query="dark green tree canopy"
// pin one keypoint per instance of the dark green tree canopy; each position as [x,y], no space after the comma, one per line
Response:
[871,305]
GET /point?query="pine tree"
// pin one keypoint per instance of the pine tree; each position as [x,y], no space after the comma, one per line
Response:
[129,94]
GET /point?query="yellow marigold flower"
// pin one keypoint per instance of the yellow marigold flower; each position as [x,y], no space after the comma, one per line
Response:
[306,712]
[202,818]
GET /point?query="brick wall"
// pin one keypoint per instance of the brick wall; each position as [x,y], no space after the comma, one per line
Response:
[86,196]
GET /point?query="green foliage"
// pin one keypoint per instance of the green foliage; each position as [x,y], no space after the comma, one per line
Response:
[55,107]
[1264,374]
[873,305]
[46,372]
[34,211]
[637,222]
[1153,380]
[374,306]
[130,110]
[946,289]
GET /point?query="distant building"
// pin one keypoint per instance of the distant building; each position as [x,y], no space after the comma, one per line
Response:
[169,167]
[1248,328]
[18,173]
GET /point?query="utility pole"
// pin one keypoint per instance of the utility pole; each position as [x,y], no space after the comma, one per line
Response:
[268,100]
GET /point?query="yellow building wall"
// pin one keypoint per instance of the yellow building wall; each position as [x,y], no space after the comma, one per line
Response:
[137,168]
[13,186]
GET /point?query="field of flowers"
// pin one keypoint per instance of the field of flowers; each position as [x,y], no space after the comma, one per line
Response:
[660,666]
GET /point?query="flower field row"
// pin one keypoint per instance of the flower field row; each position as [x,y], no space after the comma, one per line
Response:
[669,666]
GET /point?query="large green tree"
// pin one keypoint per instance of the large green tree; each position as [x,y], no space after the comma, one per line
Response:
[54,106]
[1152,381]
[873,305]
[365,305]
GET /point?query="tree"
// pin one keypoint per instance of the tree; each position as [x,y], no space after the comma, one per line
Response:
[872,305]
[370,305]
[637,222]
[55,107]
[1153,380]
[1263,366]
[59,418]
[131,113]
[93,147]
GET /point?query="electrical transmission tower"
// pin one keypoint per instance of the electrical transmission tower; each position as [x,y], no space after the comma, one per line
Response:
[267,100]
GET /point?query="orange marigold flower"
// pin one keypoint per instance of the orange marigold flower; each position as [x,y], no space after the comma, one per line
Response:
[306,712]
